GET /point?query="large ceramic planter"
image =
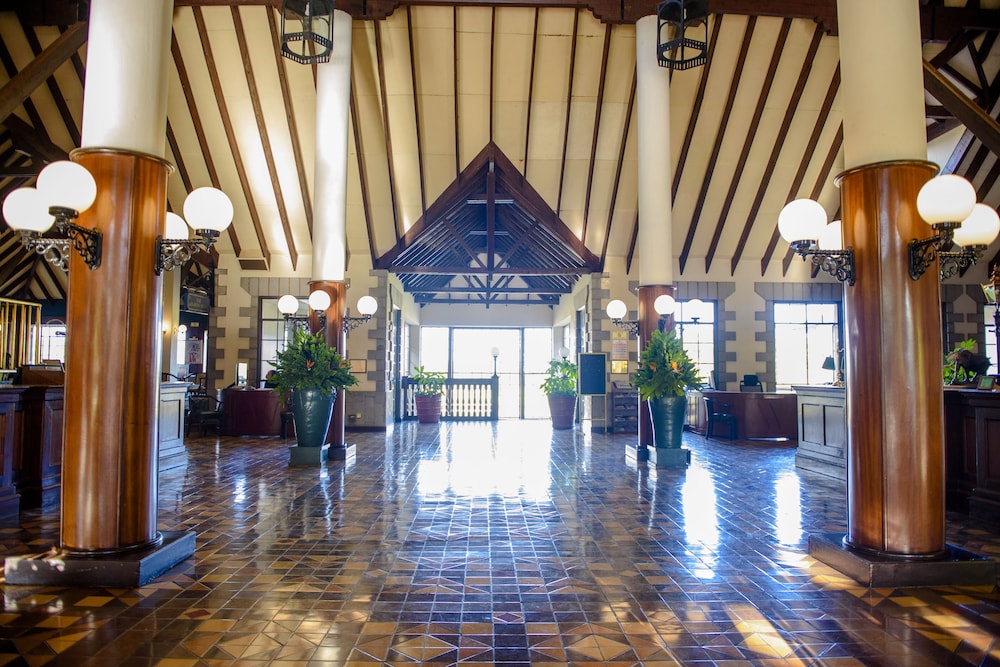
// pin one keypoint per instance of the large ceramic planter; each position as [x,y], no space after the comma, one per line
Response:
[311,412]
[562,409]
[428,408]
[667,415]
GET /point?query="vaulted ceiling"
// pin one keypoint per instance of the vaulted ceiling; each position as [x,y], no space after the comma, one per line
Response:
[493,147]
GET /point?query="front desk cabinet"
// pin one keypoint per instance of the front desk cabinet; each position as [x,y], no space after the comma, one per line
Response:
[10,433]
[255,412]
[972,453]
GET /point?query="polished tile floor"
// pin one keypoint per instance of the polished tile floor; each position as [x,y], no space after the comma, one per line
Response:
[504,544]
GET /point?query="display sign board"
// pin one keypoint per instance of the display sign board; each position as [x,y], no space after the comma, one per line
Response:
[593,373]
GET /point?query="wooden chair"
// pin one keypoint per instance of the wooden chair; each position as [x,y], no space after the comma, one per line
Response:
[203,411]
[717,412]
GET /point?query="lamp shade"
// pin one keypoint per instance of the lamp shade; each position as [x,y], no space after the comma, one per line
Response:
[563,352]
[947,198]
[319,300]
[664,304]
[832,236]
[67,185]
[495,352]
[176,228]
[209,209]
[288,305]
[801,220]
[979,228]
[27,210]
[695,308]
[367,305]
[616,309]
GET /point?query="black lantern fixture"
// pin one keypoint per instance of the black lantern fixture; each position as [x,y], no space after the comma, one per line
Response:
[307,30]
[675,46]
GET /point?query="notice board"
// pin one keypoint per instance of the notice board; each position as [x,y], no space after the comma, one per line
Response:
[593,374]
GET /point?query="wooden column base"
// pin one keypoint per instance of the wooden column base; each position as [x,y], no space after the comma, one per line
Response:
[130,570]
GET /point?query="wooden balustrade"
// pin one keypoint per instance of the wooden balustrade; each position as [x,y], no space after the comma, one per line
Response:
[465,399]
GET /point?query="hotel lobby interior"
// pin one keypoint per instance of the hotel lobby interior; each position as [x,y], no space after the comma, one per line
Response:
[481,189]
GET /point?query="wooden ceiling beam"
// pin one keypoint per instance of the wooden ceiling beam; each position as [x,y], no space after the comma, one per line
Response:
[16,91]
[986,129]
[512,271]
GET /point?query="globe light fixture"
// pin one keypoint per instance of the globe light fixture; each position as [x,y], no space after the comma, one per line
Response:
[802,222]
[63,190]
[208,211]
[616,310]
[944,202]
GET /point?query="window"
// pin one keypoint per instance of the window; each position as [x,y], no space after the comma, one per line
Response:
[989,316]
[805,334]
[696,328]
[53,341]
[521,365]
[275,332]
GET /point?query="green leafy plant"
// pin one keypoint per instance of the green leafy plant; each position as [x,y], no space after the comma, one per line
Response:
[665,369]
[429,383]
[309,363]
[560,378]
[963,365]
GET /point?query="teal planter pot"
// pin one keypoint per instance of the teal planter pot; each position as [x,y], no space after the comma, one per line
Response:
[667,415]
[311,411]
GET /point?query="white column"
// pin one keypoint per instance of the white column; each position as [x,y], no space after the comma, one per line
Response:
[333,94]
[655,242]
[880,60]
[125,99]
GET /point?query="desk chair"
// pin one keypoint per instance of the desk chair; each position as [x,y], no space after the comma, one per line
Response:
[203,411]
[719,412]
[751,382]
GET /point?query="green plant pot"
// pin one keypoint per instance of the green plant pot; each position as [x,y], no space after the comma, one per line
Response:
[667,415]
[311,412]
[562,409]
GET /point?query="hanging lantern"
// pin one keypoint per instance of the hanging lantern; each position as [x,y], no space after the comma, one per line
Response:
[675,46]
[307,30]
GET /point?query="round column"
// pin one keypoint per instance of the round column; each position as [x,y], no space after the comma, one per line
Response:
[649,321]
[336,338]
[333,94]
[112,376]
[893,324]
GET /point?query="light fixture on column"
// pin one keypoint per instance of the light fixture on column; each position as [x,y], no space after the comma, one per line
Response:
[288,306]
[977,231]
[319,302]
[307,30]
[675,47]
[367,306]
[802,223]
[617,310]
[62,191]
[209,212]
[664,305]
[944,202]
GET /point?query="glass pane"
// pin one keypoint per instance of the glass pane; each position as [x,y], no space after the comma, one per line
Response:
[821,312]
[269,309]
[538,350]
[991,336]
[790,312]
[434,349]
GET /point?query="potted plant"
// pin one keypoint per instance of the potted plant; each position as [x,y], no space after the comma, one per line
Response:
[311,372]
[665,373]
[427,395]
[560,387]
[963,365]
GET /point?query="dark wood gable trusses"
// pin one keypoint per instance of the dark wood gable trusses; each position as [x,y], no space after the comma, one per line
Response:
[490,238]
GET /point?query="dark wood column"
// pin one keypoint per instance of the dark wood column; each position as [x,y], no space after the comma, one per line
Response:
[336,337]
[112,361]
[895,431]
[649,321]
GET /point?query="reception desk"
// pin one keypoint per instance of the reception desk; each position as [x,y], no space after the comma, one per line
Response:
[759,415]
[255,412]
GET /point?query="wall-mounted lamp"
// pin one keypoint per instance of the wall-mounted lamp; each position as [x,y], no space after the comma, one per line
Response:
[307,30]
[803,224]
[319,302]
[947,203]
[62,191]
[675,47]
[209,212]
[367,306]
[616,310]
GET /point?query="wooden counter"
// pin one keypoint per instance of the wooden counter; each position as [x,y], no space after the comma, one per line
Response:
[759,415]
[972,451]
[251,412]
[822,430]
